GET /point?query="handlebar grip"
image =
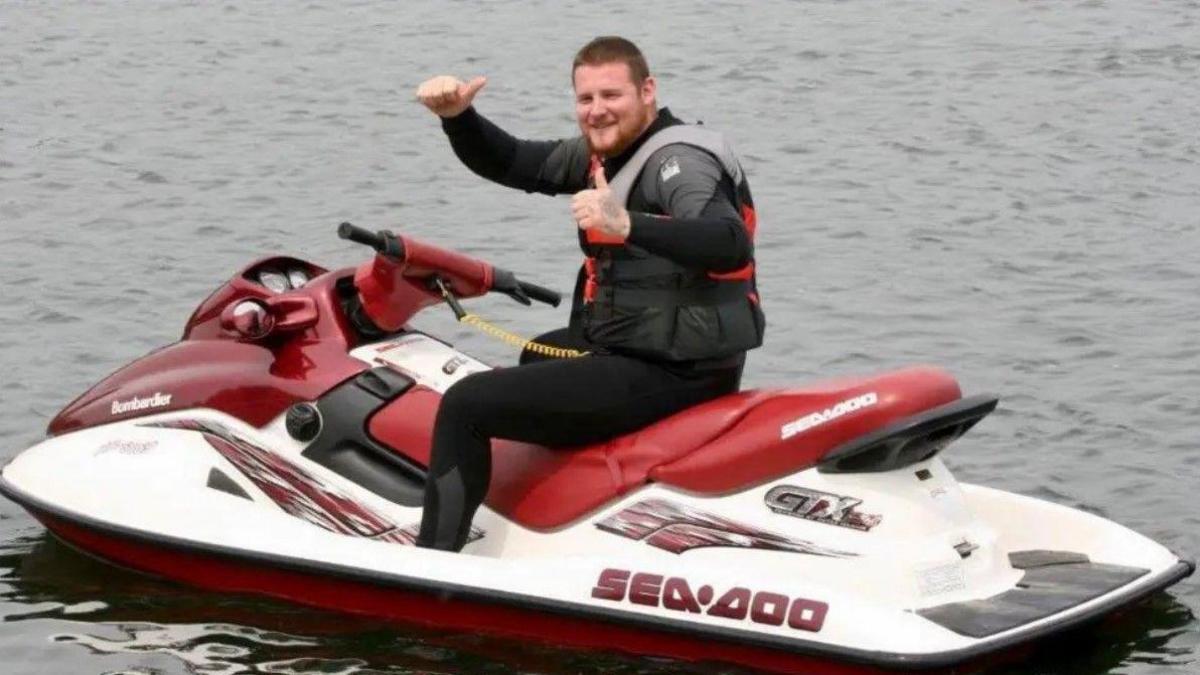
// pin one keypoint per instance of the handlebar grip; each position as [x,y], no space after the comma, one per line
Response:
[360,236]
[541,293]
[384,242]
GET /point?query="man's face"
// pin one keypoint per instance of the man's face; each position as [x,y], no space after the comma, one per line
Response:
[611,109]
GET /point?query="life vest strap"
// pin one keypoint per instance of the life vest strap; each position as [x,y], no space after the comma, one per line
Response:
[590,284]
[721,292]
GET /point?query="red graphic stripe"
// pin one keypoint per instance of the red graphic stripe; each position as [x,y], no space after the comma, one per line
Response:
[677,528]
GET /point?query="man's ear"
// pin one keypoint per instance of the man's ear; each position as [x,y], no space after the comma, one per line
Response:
[649,89]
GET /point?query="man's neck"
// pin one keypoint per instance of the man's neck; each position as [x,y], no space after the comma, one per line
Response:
[649,122]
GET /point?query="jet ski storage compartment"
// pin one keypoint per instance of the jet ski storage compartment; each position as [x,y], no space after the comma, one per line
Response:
[337,426]
[908,441]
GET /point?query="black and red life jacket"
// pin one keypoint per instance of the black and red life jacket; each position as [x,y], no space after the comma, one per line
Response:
[646,305]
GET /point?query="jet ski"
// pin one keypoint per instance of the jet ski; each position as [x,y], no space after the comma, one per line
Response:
[280,446]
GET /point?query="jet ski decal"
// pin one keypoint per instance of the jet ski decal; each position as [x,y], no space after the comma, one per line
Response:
[820,507]
[298,492]
[135,404]
[677,528]
[126,447]
[738,603]
[831,413]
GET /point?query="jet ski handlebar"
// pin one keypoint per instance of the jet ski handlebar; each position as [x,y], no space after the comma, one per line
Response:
[402,257]
[382,241]
[523,291]
[541,293]
[504,281]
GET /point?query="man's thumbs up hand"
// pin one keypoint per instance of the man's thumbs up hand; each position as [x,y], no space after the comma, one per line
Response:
[598,178]
[448,96]
[597,210]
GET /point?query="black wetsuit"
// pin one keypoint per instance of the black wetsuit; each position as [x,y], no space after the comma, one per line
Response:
[566,402]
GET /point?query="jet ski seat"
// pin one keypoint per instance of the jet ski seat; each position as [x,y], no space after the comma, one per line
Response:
[719,446]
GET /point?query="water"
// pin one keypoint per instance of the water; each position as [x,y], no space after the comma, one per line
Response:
[1009,190]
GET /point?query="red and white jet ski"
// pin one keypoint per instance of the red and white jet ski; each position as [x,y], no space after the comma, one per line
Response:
[279,448]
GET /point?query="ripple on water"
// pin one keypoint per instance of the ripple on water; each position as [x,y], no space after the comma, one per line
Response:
[316,665]
[44,315]
[85,607]
[151,177]
[795,149]
[204,647]
[212,184]
[911,149]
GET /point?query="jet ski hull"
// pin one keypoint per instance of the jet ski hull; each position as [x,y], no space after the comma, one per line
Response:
[415,601]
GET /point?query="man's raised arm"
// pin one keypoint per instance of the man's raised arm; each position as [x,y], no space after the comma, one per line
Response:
[549,167]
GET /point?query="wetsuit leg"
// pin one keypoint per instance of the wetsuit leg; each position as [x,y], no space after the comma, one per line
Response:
[555,403]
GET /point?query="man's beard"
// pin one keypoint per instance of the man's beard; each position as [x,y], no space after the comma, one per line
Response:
[624,138]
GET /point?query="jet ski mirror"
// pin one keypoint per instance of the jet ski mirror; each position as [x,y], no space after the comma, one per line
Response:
[259,318]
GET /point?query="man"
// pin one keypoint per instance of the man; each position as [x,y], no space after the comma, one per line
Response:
[665,303]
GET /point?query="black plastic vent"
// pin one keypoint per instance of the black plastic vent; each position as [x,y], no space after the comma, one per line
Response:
[910,440]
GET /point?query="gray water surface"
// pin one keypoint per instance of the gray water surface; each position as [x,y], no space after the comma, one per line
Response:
[1008,190]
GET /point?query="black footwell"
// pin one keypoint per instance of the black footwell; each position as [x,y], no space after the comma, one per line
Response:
[1054,581]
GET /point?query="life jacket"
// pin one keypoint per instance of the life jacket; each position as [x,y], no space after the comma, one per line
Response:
[646,305]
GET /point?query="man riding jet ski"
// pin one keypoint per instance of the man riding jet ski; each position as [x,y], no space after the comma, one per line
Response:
[665,305]
[283,445]
[281,448]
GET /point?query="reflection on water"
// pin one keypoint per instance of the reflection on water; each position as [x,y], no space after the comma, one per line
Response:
[1153,632]
[204,648]
[109,611]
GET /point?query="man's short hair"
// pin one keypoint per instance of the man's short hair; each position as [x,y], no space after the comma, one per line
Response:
[613,49]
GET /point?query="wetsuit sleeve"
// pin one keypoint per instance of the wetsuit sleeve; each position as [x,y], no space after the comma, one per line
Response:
[701,226]
[549,167]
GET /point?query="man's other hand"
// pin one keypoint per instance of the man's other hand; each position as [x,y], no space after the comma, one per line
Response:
[448,96]
[598,210]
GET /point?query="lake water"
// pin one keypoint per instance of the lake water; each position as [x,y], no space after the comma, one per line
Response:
[1008,190]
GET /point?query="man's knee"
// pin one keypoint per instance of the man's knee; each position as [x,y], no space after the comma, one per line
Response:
[464,398]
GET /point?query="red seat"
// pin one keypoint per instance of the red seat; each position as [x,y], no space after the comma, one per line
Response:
[543,488]
[724,445]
